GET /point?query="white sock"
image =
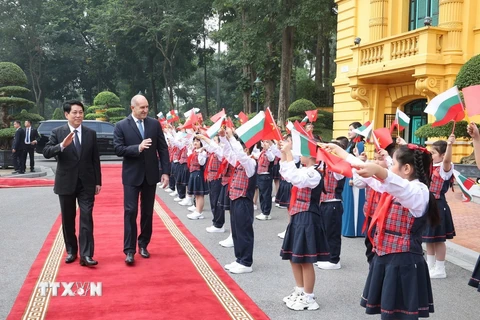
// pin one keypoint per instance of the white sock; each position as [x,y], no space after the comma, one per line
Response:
[309,296]
[430,260]
[440,264]
[299,289]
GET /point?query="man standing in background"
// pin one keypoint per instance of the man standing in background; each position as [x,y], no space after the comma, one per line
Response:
[18,148]
[31,136]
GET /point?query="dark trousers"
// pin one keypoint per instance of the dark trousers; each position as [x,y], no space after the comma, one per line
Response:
[182,175]
[18,162]
[241,219]
[131,194]
[264,183]
[171,181]
[29,151]
[217,211]
[332,221]
[69,212]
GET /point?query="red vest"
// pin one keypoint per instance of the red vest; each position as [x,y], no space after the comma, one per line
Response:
[438,186]
[176,153]
[305,199]
[403,232]
[331,187]
[263,163]
[371,202]
[212,166]
[241,185]
[183,155]
[194,164]
[227,174]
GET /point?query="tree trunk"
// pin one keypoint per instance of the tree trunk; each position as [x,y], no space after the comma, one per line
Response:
[285,75]
[151,66]
[205,73]
[269,81]
[247,73]
[326,71]
[4,123]
[319,59]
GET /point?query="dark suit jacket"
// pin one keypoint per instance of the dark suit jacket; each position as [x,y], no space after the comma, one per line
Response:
[70,166]
[33,135]
[19,139]
[138,166]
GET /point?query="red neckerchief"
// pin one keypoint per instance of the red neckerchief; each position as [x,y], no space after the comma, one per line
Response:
[293,197]
[222,169]
[208,165]
[368,209]
[190,158]
[233,174]
[379,216]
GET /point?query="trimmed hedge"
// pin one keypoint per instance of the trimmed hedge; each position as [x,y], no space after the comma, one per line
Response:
[469,74]
[298,107]
[427,131]
[12,75]
[25,115]
[106,99]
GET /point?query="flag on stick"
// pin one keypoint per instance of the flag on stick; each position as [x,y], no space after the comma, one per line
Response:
[172,116]
[213,130]
[312,115]
[382,138]
[252,131]
[401,121]
[445,107]
[302,145]
[271,131]
[242,117]
[335,163]
[472,100]
[218,115]
[465,185]
[365,130]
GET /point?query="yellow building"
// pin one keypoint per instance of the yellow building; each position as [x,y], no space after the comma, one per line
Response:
[400,53]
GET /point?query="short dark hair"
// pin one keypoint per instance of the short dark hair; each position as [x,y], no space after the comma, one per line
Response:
[343,141]
[29,121]
[18,122]
[67,105]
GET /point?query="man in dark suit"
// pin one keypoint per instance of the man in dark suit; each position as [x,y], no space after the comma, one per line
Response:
[31,136]
[78,178]
[18,148]
[140,141]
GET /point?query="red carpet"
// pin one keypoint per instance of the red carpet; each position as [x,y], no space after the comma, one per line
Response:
[181,280]
[24,182]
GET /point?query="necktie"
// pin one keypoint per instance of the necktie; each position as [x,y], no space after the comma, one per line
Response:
[78,146]
[28,136]
[140,128]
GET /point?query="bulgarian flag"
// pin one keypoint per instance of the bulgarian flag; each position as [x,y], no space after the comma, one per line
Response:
[304,121]
[465,185]
[445,107]
[302,145]
[172,116]
[160,116]
[252,131]
[401,121]
[213,130]
[365,130]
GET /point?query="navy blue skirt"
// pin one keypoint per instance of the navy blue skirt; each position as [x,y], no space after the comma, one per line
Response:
[305,239]
[173,169]
[182,174]
[398,287]
[197,184]
[283,194]
[475,279]
[445,230]
[223,199]
[276,171]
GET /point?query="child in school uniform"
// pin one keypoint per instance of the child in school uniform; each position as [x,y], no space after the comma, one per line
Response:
[197,186]
[182,172]
[331,211]
[472,130]
[398,284]
[442,179]
[264,180]
[213,177]
[241,190]
[305,241]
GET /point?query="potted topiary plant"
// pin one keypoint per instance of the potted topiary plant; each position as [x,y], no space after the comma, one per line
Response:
[12,90]
[106,107]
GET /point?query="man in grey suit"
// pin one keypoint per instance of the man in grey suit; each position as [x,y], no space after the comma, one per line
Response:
[140,141]
[78,178]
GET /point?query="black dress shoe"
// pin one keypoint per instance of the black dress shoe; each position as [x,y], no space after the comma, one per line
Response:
[130,260]
[70,258]
[32,170]
[87,262]
[144,253]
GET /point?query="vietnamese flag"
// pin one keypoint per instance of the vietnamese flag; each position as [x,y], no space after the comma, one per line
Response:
[445,107]
[218,115]
[172,116]
[199,118]
[242,117]
[270,129]
[191,121]
[472,100]
[229,123]
[382,138]
[335,163]
[312,115]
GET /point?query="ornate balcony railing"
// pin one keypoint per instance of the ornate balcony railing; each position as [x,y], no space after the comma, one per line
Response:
[411,48]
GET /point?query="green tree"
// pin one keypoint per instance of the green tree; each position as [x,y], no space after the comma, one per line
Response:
[12,82]
[109,105]
[58,114]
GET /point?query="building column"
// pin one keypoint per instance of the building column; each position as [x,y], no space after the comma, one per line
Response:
[378,19]
[450,18]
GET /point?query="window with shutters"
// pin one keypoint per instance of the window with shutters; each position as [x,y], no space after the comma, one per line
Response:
[419,9]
